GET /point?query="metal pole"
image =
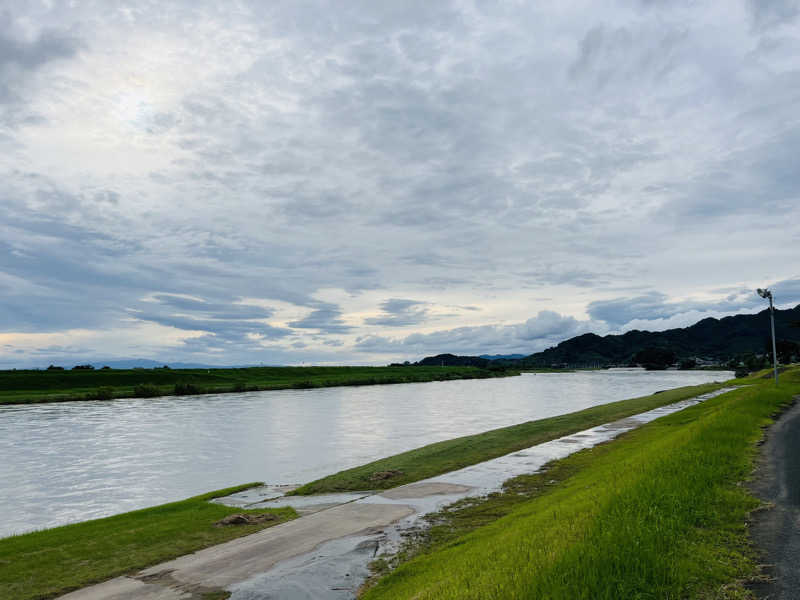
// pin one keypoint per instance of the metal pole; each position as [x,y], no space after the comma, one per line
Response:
[774,353]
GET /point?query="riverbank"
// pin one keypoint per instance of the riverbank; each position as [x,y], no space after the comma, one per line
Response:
[42,565]
[33,386]
[658,513]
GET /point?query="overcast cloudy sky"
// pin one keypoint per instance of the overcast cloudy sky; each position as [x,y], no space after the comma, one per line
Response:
[362,182]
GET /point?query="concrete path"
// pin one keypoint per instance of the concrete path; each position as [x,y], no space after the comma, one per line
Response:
[776,530]
[217,567]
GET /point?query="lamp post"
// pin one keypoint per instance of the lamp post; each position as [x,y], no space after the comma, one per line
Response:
[765,293]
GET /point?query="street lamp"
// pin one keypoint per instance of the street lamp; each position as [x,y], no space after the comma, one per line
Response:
[767,294]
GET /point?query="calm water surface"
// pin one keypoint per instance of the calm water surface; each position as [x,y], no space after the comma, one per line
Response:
[72,461]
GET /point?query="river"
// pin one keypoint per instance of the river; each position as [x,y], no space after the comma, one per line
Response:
[72,461]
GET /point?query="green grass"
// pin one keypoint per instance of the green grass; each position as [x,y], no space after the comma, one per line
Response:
[43,564]
[24,386]
[450,455]
[658,513]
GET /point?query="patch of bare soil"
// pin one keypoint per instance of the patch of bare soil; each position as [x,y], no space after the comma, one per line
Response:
[384,475]
[244,519]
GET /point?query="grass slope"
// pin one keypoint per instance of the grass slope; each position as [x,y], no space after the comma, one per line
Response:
[655,514]
[23,386]
[450,455]
[47,563]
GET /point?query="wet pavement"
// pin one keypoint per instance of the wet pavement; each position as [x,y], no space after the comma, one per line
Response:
[325,553]
[776,530]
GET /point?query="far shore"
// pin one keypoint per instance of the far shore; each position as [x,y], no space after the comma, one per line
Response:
[58,385]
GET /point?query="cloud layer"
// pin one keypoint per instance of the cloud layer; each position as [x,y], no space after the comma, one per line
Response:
[294,182]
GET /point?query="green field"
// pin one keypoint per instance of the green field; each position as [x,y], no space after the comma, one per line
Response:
[47,563]
[24,386]
[658,513]
[458,453]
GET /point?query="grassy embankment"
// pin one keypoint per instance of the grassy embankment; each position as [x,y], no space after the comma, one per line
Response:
[658,513]
[24,386]
[458,453]
[47,563]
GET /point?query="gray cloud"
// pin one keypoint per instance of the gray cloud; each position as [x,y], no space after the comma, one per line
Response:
[49,45]
[325,319]
[770,13]
[225,321]
[619,311]
[399,312]
[656,306]
[537,333]
[223,311]
[613,55]
[20,58]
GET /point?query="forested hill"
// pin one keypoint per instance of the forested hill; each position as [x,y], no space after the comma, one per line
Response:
[716,339]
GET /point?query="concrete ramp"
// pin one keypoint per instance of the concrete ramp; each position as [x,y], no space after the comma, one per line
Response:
[218,567]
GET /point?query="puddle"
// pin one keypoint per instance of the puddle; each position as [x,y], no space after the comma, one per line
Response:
[304,505]
[257,495]
[335,570]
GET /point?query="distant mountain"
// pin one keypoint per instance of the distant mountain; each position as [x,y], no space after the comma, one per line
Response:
[714,339]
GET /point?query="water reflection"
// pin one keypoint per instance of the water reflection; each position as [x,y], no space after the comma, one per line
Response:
[72,461]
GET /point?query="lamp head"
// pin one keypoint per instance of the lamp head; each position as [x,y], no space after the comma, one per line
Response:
[764,293]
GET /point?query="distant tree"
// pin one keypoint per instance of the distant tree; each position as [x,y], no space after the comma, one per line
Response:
[687,364]
[654,359]
[753,362]
[83,368]
[55,368]
[450,360]
[105,367]
[787,351]
[146,390]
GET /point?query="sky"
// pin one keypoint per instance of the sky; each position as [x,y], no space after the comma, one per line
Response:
[364,182]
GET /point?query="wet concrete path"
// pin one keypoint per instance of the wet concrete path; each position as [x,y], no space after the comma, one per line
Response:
[776,531]
[325,553]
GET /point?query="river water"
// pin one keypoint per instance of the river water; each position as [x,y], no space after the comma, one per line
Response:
[72,461]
